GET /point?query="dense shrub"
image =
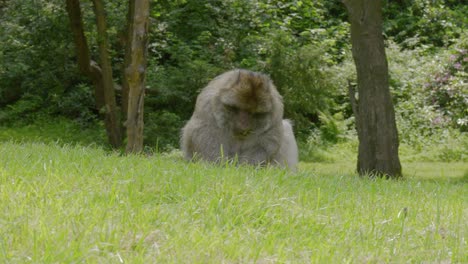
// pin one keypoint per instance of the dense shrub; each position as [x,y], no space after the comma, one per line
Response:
[425,22]
[303,45]
[448,90]
[22,109]
[162,130]
[35,55]
[302,78]
[77,104]
[430,91]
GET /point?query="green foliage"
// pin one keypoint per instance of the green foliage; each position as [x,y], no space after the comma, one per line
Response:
[317,149]
[77,104]
[430,91]
[162,130]
[21,109]
[425,22]
[334,128]
[301,77]
[446,146]
[176,88]
[429,117]
[448,91]
[303,45]
[34,50]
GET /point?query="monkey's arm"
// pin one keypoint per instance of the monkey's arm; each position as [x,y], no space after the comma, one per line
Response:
[186,144]
[201,140]
[287,154]
[262,148]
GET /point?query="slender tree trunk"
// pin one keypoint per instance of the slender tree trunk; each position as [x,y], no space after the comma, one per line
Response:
[127,57]
[376,126]
[136,54]
[112,120]
[101,78]
[85,64]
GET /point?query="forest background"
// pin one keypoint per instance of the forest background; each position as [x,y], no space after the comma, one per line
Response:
[303,45]
[67,196]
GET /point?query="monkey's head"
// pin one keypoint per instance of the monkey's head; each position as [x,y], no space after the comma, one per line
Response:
[247,103]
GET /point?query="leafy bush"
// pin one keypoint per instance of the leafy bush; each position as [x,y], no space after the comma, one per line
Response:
[447,145]
[77,104]
[425,22]
[302,78]
[21,109]
[448,90]
[430,91]
[316,149]
[35,57]
[176,88]
[409,70]
[162,130]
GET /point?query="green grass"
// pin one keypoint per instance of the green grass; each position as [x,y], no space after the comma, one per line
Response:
[64,203]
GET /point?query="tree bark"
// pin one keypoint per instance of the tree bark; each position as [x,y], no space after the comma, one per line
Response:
[376,126]
[85,64]
[101,78]
[127,57]
[112,120]
[136,55]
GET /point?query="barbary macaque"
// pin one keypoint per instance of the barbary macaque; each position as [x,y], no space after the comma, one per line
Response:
[239,115]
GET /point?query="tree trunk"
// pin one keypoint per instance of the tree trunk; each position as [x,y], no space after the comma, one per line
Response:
[127,57]
[101,78]
[112,120]
[136,54]
[86,66]
[376,126]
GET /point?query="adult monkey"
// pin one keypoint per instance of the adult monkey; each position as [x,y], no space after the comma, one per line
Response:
[239,114]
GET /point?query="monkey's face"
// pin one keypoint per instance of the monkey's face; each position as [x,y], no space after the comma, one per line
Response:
[247,106]
[244,122]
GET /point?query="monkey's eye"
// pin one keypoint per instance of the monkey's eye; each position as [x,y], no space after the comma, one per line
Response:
[231,108]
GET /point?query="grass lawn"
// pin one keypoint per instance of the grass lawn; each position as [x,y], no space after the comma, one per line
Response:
[68,204]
